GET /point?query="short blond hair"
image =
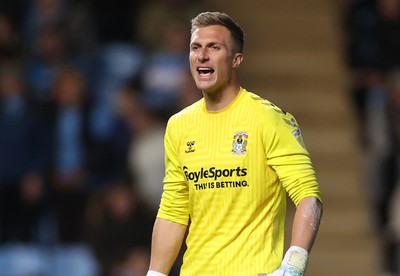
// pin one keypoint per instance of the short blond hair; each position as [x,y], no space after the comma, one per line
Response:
[205,19]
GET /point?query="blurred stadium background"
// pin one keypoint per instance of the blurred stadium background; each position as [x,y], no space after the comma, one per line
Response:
[295,56]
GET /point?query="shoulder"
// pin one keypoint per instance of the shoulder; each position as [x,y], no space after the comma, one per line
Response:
[264,107]
[271,118]
[191,109]
[187,113]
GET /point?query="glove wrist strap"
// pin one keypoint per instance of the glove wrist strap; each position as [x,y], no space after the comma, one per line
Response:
[154,273]
[296,257]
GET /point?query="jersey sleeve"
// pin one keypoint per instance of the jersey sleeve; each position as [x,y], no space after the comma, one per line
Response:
[174,204]
[288,156]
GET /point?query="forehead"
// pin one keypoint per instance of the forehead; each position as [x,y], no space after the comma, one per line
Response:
[213,33]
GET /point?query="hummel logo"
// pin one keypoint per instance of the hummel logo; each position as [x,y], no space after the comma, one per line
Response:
[190,145]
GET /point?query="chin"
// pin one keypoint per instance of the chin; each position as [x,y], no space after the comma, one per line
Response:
[205,87]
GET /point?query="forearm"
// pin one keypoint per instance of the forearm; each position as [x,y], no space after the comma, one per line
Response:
[306,222]
[166,244]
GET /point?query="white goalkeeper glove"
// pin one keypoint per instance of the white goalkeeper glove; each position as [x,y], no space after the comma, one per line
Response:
[154,273]
[294,263]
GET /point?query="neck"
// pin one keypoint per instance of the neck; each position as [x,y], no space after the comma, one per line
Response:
[218,100]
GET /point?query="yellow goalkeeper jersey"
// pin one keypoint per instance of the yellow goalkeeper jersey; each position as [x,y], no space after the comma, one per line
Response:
[227,174]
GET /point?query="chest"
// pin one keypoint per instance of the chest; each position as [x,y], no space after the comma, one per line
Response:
[222,143]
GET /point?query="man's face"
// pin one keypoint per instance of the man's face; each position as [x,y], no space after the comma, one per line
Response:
[211,58]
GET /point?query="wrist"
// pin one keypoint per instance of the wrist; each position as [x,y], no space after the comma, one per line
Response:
[296,257]
[154,273]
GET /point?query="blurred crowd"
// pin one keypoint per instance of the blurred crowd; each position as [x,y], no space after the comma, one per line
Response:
[372,44]
[86,87]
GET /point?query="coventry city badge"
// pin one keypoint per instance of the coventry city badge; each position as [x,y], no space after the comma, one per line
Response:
[239,143]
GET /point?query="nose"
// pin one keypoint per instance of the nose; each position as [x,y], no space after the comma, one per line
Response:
[203,55]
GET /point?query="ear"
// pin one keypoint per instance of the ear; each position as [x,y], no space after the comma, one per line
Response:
[237,60]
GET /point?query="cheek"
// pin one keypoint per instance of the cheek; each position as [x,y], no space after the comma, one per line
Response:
[192,63]
[192,57]
[193,70]
[224,69]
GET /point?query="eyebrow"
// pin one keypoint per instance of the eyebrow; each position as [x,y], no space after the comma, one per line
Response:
[211,43]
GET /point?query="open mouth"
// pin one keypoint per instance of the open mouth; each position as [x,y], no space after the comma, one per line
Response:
[205,71]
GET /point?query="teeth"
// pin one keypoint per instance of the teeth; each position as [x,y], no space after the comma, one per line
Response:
[205,70]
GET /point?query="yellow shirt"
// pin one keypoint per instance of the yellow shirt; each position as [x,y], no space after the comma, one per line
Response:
[227,173]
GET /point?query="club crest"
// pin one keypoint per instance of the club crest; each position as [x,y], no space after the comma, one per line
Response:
[239,143]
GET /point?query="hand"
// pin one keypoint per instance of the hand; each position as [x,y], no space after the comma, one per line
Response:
[294,263]
[154,273]
[286,271]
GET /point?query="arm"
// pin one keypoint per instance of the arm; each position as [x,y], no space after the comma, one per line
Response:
[304,231]
[306,222]
[166,244]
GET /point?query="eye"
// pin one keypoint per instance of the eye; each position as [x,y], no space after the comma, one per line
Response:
[215,47]
[194,47]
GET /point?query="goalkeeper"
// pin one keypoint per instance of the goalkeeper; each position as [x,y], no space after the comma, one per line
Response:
[231,158]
